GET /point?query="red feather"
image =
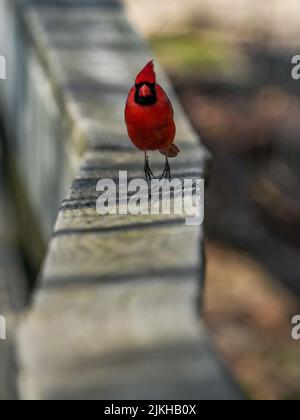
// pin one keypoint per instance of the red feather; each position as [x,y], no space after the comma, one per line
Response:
[147,74]
[151,126]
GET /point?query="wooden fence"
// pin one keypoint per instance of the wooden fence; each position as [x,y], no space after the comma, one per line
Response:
[116,310]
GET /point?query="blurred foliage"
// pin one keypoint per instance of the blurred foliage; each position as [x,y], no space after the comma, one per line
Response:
[253,201]
[249,313]
[191,53]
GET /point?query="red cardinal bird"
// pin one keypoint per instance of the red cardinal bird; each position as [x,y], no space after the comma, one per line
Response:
[149,119]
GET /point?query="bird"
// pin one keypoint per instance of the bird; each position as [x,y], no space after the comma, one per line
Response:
[149,117]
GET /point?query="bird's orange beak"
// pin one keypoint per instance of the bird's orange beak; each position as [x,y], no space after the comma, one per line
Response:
[145,91]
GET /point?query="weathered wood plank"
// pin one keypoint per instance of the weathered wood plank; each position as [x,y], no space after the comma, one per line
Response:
[123,340]
[115,315]
[13,292]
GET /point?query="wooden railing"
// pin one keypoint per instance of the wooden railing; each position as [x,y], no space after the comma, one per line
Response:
[116,310]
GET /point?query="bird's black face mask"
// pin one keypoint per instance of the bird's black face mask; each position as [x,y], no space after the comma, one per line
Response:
[145,100]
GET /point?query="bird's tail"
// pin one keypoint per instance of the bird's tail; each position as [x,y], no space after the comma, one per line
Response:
[171,151]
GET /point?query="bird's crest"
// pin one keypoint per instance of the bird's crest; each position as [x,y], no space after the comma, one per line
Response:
[147,74]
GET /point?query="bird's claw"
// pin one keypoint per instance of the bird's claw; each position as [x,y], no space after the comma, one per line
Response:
[167,172]
[148,173]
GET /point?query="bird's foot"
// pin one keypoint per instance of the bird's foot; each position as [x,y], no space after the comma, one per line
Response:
[167,172]
[148,173]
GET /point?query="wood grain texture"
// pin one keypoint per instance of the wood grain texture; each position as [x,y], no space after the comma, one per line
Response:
[116,311]
[13,291]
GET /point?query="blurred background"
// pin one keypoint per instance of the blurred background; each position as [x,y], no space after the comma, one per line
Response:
[230,63]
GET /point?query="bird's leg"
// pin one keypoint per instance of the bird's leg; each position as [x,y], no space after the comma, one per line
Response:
[167,171]
[148,173]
